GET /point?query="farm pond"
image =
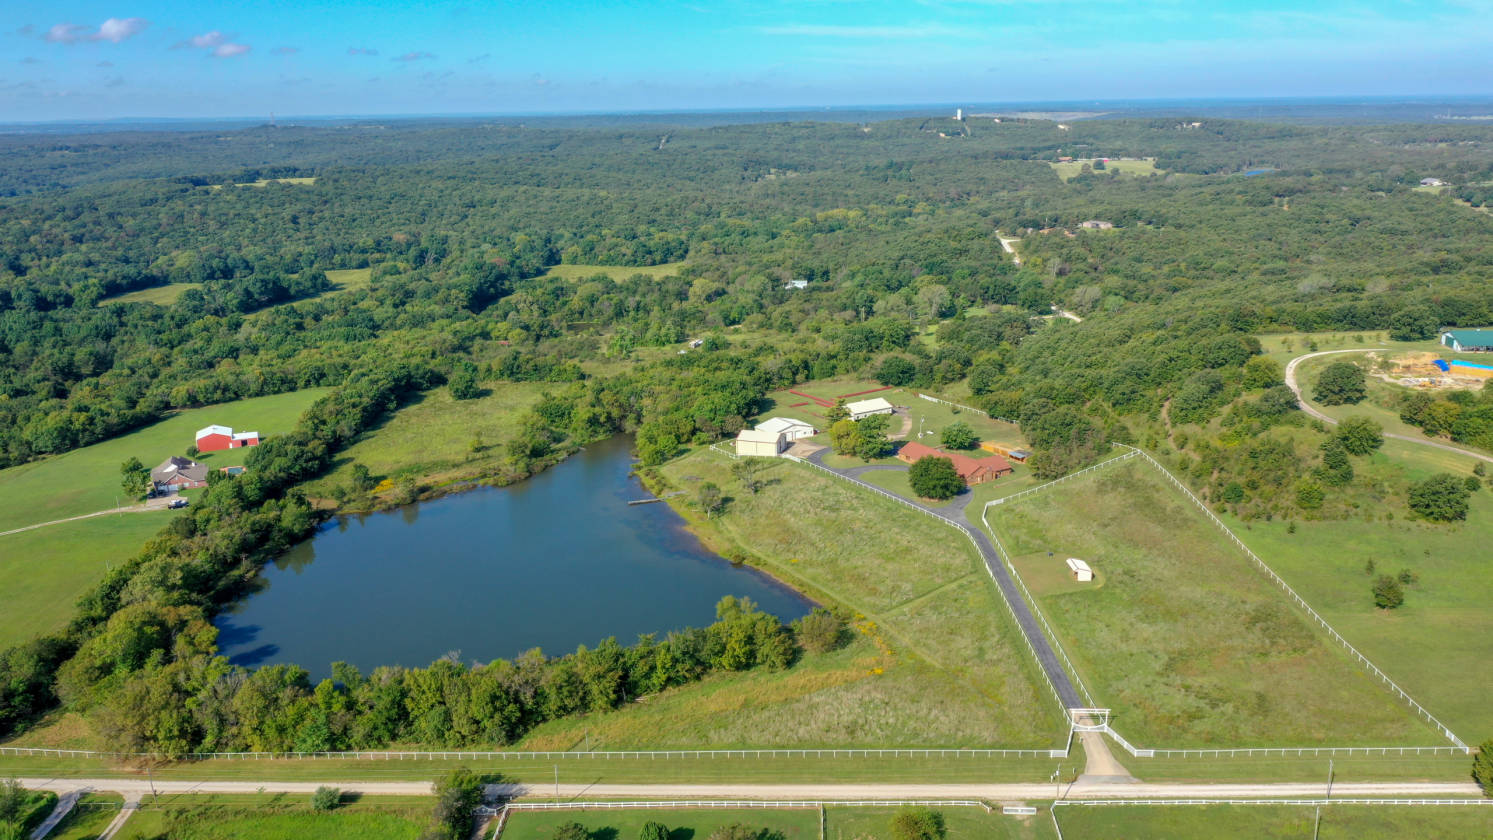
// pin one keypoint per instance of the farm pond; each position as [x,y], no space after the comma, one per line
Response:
[553,562]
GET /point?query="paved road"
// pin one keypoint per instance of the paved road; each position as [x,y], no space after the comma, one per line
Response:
[1315,412]
[64,807]
[134,788]
[954,514]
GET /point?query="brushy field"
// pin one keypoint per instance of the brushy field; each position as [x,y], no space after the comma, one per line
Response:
[615,272]
[790,823]
[158,295]
[1218,822]
[956,673]
[1068,170]
[87,479]
[44,571]
[1437,644]
[1187,641]
[433,435]
[961,823]
[349,279]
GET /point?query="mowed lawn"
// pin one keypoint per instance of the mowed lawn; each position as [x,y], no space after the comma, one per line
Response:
[955,673]
[42,572]
[1068,170]
[1180,634]
[433,434]
[277,817]
[1265,822]
[87,480]
[615,272]
[1438,644]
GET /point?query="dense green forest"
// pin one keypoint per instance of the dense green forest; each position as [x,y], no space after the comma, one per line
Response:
[892,226]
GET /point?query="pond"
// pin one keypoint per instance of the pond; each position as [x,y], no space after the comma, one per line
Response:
[553,562]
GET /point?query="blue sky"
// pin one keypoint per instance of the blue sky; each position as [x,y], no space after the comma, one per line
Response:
[149,58]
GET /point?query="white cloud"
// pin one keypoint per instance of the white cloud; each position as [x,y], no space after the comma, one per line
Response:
[231,50]
[206,40]
[115,30]
[66,33]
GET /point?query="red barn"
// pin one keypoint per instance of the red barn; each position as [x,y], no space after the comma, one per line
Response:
[972,470]
[215,438]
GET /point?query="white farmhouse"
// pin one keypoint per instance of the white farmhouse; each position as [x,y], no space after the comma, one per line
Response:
[788,427]
[760,443]
[865,408]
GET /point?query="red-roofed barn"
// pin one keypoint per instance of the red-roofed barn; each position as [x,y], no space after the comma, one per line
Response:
[216,438]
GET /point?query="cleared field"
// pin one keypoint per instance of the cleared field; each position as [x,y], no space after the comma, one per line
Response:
[264,182]
[615,272]
[432,435]
[1068,170]
[87,480]
[44,571]
[789,823]
[159,295]
[349,279]
[918,588]
[276,817]
[1436,645]
[1216,822]
[1180,634]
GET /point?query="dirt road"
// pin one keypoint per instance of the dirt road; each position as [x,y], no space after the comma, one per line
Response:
[1313,411]
[143,507]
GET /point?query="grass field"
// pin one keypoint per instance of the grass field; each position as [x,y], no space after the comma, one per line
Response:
[616,272]
[1437,644]
[264,182]
[1188,642]
[349,279]
[88,819]
[1068,170]
[431,436]
[1218,822]
[923,598]
[159,295]
[45,570]
[276,817]
[87,480]
[790,823]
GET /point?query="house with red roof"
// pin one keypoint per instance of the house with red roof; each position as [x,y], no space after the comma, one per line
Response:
[972,470]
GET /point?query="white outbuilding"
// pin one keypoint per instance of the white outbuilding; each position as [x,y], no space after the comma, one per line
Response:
[760,443]
[788,427]
[866,408]
[1081,571]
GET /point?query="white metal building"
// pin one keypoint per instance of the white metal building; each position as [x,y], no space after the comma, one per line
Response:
[788,427]
[866,408]
[758,442]
[1081,571]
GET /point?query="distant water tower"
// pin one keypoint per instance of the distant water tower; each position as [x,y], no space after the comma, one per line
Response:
[959,114]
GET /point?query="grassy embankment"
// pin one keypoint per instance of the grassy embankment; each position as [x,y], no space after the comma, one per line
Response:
[47,568]
[1068,170]
[1218,822]
[1189,643]
[158,295]
[431,437]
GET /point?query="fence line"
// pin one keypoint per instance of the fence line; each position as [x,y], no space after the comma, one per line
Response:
[970,536]
[518,755]
[612,805]
[1301,602]
[1099,803]
[1040,487]
[962,407]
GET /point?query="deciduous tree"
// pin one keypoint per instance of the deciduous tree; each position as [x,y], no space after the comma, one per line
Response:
[1341,383]
[935,478]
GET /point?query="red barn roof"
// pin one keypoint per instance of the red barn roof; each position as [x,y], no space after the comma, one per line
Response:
[972,470]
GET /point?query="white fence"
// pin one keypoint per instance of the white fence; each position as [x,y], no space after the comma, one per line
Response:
[522,755]
[962,407]
[1143,752]
[503,811]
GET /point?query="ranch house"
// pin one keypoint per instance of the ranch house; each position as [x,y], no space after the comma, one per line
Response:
[217,438]
[178,473]
[972,470]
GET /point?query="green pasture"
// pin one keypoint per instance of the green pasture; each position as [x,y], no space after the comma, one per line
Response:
[615,272]
[158,295]
[789,823]
[88,819]
[87,480]
[432,436]
[1068,170]
[1437,644]
[264,182]
[1181,635]
[1266,822]
[276,817]
[44,571]
[921,597]
[349,279]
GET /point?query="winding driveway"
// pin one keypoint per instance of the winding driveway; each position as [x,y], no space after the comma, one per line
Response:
[1313,411]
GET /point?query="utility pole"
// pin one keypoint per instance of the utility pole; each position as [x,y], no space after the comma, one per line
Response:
[557,781]
[1317,826]
[1329,778]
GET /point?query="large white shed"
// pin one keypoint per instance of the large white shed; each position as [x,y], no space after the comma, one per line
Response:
[866,408]
[760,443]
[788,427]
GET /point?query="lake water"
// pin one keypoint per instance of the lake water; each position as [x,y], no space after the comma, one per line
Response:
[554,562]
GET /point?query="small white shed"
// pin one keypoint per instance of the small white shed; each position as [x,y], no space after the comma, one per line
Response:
[1081,571]
[866,408]
[788,427]
[757,442]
